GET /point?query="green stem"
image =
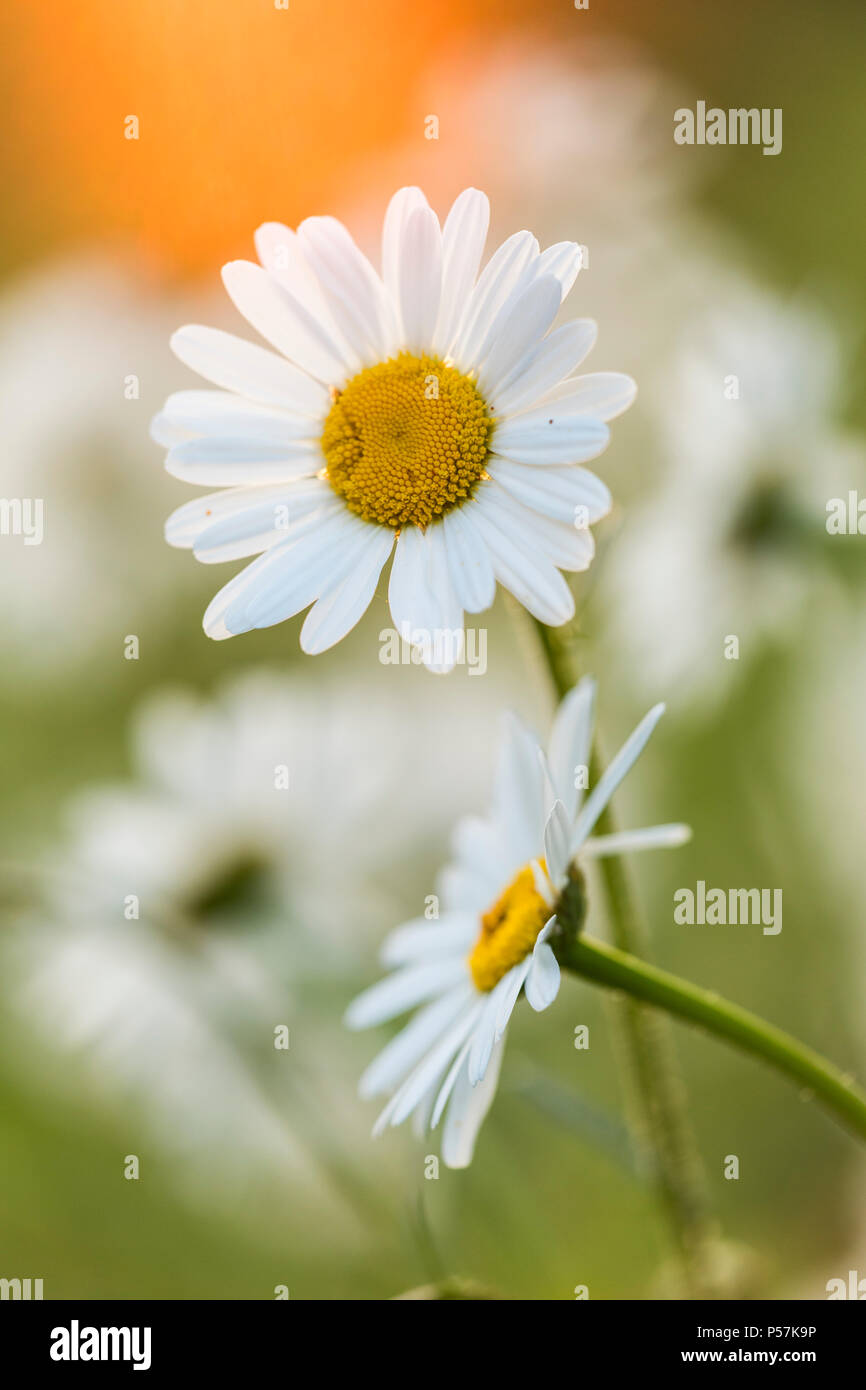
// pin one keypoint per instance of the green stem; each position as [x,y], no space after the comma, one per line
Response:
[606,965]
[658,1102]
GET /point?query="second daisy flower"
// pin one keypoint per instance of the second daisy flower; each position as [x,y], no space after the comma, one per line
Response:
[515,880]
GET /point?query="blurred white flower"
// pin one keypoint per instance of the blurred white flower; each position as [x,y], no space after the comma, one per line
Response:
[82,363]
[228,889]
[591,132]
[502,896]
[726,546]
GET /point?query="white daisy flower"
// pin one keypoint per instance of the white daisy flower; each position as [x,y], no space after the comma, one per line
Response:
[516,874]
[429,411]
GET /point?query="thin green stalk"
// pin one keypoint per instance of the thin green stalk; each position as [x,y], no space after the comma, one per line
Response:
[658,1103]
[658,1081]
[616,969]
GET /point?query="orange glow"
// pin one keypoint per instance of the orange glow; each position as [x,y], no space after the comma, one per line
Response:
[247,112]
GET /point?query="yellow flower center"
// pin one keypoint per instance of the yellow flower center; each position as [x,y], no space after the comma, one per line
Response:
[406,440]
[509,930]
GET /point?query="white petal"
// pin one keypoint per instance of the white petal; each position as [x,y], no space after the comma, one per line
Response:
[453,933]
[556,844]
[226,615]
[463,238]
[484,1036]
[262,524]
[570,494]
[519,792]
[281,253]
[429,1071]
[480,867]
[467,1110]
[542,982]
[299,572]
[613,775]
[337,610]
[567,547]
[515,978]
[543,885]
[549,790]
[354,293]
[398,993]
[189,521]
[544,366]
[563,260]
[446,602]
[521,323]
[240,462]
[214,620]
[571,742]
[464,890]
[287,324]
[421,596]
[250,370]
[420,278]
[404,1051]
[628,841]
[469,563]
[449,1083]
[421,1114]
[193,413]
[542,436]
[475,841]
[496,282]
[404,202]
[167,432]
[407,591]
[603,395]
[546,931]
[532,580]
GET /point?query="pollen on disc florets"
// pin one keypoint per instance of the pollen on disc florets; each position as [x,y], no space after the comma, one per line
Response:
[509,930]
[406,440]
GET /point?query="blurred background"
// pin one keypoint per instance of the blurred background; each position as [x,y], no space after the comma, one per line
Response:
[164,906]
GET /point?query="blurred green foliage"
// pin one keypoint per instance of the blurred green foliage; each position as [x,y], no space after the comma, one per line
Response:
[543,1208]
